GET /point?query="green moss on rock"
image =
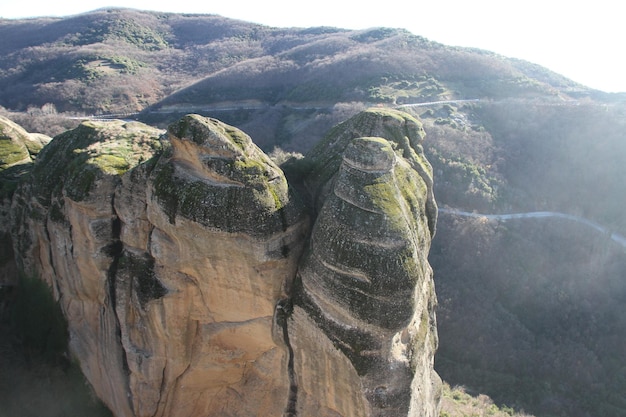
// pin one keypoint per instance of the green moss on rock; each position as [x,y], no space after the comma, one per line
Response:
[13,140]
[368,250]
[18,149]
[216,176]
[12,153]
[403,132]
[75,160]
[209,132]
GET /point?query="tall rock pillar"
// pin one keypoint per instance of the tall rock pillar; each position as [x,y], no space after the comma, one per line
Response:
[364,299]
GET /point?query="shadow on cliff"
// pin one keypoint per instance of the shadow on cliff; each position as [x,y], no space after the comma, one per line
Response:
[37,379]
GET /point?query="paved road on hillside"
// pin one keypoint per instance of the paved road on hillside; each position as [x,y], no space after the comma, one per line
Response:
[258,106]
[430,103]
[244,106]
[616,237]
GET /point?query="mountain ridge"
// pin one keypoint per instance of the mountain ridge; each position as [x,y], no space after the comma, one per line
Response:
[190,36]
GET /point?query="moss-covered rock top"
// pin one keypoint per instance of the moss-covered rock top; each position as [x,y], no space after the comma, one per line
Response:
[76,159]
[13,140]
[212,135]
[375,209]
[402,132]
[36,143]
[370,154]
[215,175]
[18,149]
[364,242]
[365,274]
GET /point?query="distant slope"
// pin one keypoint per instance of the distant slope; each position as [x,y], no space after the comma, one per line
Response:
[531,312]
[616,237]
[284,86]
[116,60]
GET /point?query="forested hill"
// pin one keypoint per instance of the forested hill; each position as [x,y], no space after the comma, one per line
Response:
[117,60]
[284,86]
[529,313]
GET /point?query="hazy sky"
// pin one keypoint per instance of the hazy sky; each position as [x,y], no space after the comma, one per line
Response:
[583,40]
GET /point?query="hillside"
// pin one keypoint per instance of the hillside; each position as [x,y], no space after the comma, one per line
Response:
[529,310]
[135,59]
[125,61]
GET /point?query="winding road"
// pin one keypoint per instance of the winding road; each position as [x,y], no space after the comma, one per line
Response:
[616,237]
[430,103]
[245,106]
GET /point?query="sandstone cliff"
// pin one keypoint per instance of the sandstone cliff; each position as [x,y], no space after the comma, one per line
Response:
[365,283]
[195,283]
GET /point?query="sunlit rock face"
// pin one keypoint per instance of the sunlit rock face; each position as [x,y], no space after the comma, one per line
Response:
[66,231]
[207,250]
[195,283]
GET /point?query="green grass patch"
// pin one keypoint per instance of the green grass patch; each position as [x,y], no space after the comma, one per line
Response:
[458,402]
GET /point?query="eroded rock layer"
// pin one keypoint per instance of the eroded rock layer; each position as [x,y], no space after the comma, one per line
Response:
[365,279]
[177,258]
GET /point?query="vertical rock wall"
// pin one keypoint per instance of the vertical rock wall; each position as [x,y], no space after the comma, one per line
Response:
[365,279]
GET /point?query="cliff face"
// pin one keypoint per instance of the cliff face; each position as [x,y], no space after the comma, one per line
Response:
[365,283]
[195,283]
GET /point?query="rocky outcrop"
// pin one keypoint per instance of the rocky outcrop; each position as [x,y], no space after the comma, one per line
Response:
[67,232]
[365,281]
[18,150]
[196,283]
[17,146]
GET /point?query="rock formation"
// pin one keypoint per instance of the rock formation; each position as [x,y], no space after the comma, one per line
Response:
[365,283]
[18,150]
[196,282]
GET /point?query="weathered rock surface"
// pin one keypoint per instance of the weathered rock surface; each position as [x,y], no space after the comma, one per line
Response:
[67,232]
[365,280]
[17,146]
[196,284]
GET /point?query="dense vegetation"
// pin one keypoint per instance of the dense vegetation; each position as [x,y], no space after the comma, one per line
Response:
[544,296]
[529,309]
